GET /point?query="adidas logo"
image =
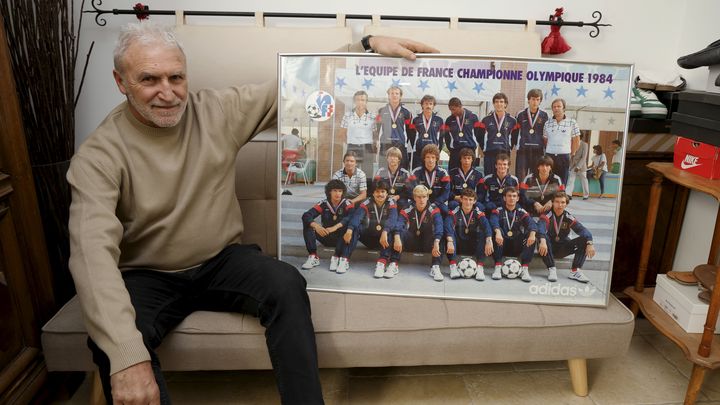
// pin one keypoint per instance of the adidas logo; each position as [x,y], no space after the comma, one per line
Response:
[689,162]
[561,290]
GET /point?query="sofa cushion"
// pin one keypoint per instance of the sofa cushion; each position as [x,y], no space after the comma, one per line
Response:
[356,330]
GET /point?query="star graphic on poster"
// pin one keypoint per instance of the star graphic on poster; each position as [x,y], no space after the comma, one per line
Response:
[593,119]
[581,91]
[609,93]
[424,84]
[367,83]
[395,83]
[611,121]
[451,86]
[478,87]
[555,90]
[340,82]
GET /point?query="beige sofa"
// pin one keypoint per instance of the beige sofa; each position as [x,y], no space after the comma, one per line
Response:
[351,332]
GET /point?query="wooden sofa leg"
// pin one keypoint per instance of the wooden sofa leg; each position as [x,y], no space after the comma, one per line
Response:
[578,376]
[96,391]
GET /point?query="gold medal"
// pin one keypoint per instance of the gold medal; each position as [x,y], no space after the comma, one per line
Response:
[394,125]
[379,228]
[429,192]
[425,135]
[334,217]
[557,239]
[392,191]
[464,185]
[417,233]
[500,190]
[509,233]
[532,131]
[461,134]
[467,231]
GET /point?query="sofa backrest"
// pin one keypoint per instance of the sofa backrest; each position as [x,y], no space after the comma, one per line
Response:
[219,56]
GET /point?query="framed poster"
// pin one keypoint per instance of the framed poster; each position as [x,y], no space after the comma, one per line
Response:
[452,176]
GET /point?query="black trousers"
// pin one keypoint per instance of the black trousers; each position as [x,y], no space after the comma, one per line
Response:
[239,279]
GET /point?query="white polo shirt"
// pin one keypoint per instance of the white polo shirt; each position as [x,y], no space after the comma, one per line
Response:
[560,134]
[359,128]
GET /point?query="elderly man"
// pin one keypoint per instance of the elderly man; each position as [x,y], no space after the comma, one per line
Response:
[563,137]
[155,227]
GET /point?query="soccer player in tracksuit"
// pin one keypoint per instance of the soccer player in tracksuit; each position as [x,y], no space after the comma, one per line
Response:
[538,187]
[335,213]
[398,177]
[494,184]
[421,229]
[464,177]
[514,231]
[424,130]
[390,125]
[434,177]
[469,231]
[461,130]
[554,230]
[374,224]
[530,124]
[495,135]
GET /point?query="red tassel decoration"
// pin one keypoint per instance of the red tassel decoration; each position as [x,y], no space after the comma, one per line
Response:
[554,43]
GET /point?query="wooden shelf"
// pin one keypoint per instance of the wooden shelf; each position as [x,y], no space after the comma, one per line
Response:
[686,179]
[688,342]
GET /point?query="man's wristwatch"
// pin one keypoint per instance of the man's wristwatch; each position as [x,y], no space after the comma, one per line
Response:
[365,42]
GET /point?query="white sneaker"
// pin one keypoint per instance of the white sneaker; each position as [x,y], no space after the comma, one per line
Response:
[480,273]
[334,263]
[552,274]
[525,274]
[454,272]
[379,270]
[435,273]
[391,270]
[343,266]
[497,274]
[312,261]
[578,276]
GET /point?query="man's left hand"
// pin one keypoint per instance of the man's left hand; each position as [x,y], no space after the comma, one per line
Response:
[407,48]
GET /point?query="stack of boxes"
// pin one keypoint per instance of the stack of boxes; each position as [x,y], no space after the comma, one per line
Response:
[697,125]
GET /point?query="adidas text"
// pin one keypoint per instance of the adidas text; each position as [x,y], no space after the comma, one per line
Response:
[689,162]
[561,290]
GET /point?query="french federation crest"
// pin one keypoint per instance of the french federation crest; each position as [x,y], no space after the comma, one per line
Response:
[320,106]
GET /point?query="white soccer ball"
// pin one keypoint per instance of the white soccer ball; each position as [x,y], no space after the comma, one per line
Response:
[511,268]
[467,267]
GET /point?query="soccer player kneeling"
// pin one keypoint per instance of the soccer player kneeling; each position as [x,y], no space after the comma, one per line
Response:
[373,224]
[334,212]
[420,229]
[469,230]
[514,234]
[554,229]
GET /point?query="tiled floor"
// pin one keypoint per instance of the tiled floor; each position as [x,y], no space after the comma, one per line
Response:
[654,371]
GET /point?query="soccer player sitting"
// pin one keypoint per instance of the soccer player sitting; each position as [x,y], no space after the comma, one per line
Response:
[334,212]
[464,177]
[434,177]
[373,224]
[398,178]
[537,189]
[420,229]
[554,230]
[470,231]
[514,234]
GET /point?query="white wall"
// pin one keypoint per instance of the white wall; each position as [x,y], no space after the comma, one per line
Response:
[651,34]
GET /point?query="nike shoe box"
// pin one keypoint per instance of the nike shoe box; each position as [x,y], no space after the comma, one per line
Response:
[682,304]
[697,157]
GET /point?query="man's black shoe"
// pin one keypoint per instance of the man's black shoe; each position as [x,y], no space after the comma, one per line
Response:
[706,57]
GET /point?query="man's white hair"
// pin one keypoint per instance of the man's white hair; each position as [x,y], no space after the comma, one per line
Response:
[146,33]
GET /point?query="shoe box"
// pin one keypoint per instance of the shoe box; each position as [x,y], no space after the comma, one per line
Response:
[697,157]
[697,117]
[682,304]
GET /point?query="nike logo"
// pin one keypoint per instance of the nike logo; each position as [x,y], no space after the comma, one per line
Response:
[689,165]
[689,162]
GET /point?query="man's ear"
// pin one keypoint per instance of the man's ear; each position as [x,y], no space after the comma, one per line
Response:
[119,82]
